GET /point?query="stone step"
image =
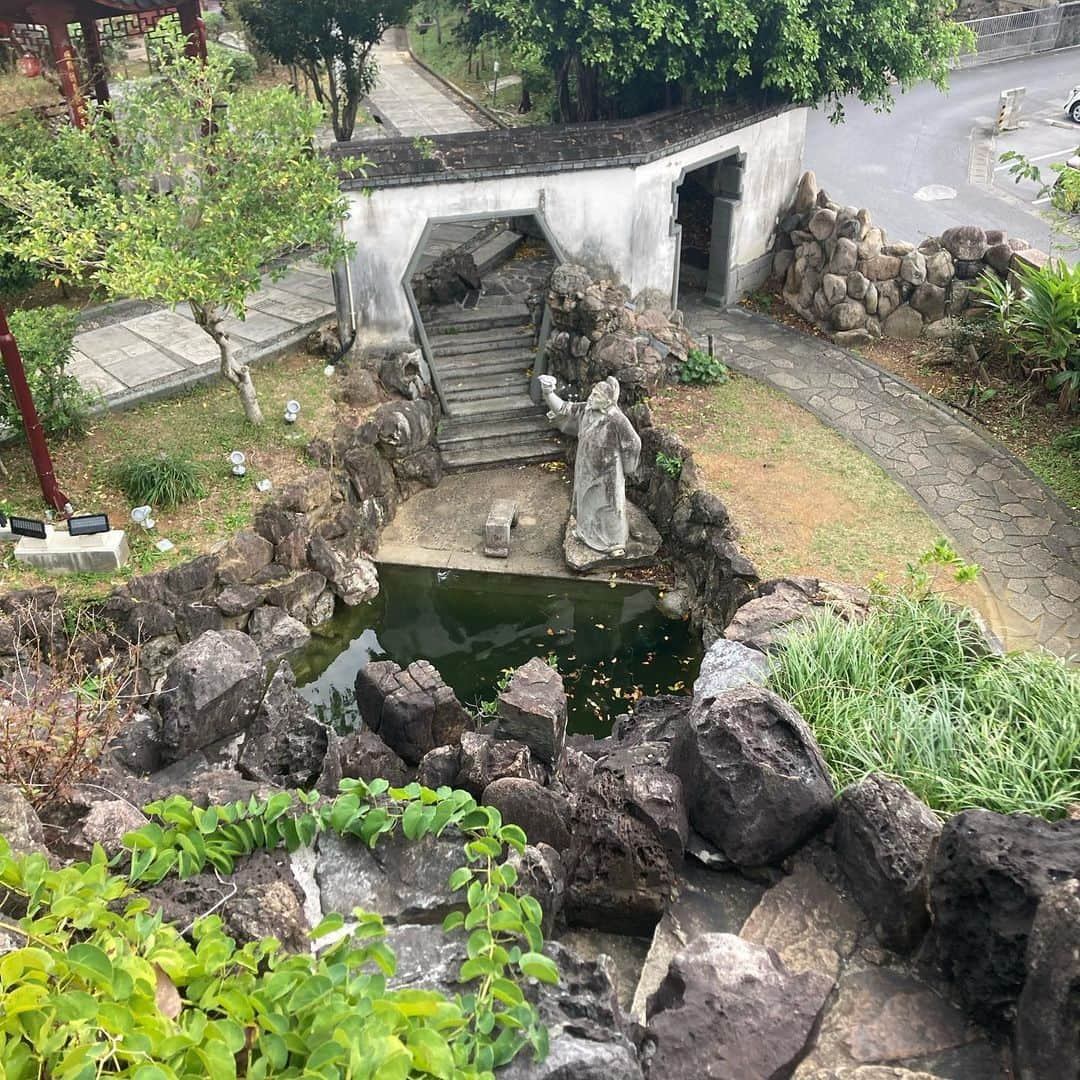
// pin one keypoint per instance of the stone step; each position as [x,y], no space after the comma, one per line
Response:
[472,391]
[484,381]
[473,344]
[457,321]
[483,440]
[452,431]
[494,455]
[497,408]
[494,365]
[493,252]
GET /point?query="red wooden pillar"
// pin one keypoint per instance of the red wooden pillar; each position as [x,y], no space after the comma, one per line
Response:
[194,29]
[66,67]
[39,452]
[94,57]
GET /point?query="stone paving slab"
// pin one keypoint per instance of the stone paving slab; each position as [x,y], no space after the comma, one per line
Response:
[161,350]
[995,512]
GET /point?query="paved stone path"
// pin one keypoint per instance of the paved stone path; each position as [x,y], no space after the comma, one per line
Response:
[995,512]
[410,100]
[128,357]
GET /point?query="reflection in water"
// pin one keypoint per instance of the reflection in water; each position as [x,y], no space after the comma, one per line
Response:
[611,644]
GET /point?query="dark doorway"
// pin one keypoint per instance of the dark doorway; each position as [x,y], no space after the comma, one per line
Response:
[707,198]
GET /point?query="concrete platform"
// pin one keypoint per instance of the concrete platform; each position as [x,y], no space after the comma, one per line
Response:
[444,527]
[60,553]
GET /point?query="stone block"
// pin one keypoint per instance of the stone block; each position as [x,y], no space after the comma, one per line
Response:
[60,553]
[502,517]
[532,710]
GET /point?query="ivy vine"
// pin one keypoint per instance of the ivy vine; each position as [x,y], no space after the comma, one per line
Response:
[93,985]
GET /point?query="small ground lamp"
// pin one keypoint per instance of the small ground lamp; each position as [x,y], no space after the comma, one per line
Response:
[292,411]
[236,460]
[143,515]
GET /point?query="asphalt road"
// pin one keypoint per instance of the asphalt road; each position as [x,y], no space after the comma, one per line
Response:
[903,166]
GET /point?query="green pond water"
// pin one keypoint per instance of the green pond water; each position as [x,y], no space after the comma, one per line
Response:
[610,643]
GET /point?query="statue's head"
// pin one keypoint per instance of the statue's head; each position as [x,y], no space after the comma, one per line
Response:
[604,396]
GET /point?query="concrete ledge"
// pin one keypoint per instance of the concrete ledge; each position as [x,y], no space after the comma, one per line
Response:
[59,553]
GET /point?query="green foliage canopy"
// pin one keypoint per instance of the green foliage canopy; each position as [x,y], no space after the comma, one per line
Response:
[331,41]
[790,50]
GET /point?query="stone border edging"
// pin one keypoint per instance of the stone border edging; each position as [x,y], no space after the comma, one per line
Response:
[943,407]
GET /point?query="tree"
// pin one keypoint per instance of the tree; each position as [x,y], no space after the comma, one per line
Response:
[645,54]
[331,41]
[191,189]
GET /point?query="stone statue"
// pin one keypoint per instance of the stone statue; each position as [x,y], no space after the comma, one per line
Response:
[608,450]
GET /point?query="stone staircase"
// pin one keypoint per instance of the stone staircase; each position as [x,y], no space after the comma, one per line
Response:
[483,359]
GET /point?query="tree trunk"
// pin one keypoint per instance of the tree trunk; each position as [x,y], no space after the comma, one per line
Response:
[211,318]
[562,84]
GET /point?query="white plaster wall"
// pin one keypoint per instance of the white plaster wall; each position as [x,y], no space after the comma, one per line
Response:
[617,222]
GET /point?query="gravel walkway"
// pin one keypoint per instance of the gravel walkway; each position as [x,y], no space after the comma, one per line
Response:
[992,508]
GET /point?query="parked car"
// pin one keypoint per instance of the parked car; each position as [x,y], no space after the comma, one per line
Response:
[1072,104]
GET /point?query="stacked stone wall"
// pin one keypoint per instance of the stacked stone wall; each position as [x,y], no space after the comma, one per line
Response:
[840,271]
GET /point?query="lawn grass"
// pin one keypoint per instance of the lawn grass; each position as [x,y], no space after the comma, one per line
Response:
[911,692]
[807,501]
[204,425]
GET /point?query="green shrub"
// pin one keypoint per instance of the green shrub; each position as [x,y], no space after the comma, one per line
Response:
[669,463]
[101,986]
[241,64]
[27,142]
[1040,325]
[701,369]
[46,338]
[912,692]
[162,479]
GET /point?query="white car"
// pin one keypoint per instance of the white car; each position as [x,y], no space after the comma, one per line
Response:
[1072,104]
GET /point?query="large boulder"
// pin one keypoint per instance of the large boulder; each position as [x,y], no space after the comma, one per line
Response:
[756,783]
[730,1010]
[729,665]
[783,603]
[285,744]
[884,838]
[403,880]
[1048,1013]
[543,814]
[412,710]
[990,873]
[243,557]
[403,427]
[532,709]
[967,242]
[350,574]
[362,755]
[276,632]
[211,689]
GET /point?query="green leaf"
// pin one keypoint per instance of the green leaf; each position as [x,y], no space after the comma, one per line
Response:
[540,967]
[460,877]
[329,924]
[91,964]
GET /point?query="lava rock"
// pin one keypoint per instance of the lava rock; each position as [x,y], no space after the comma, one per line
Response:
[756,783]
[729,665]
[362,755]
[884,838]
[1048,1013]
[532,709]
[19,825]
[276,632]
[485,757]
[285,744]
[989,874]
[211,689]
[352,576]
[412,710]
[541,875]
[403,427]
[730,1010]
[439,767]
[543,814]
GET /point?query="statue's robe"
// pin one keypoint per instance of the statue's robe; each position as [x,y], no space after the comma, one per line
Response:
[608,451]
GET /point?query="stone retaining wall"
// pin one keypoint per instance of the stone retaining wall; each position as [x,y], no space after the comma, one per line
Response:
[840,272]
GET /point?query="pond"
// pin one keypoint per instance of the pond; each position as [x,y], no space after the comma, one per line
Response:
[611,644]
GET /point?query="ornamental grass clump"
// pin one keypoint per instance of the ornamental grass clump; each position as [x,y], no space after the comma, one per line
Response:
[163,479]
[911,691]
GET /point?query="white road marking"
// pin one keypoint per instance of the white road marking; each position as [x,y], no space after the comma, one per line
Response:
[1040,157]
[1039,202]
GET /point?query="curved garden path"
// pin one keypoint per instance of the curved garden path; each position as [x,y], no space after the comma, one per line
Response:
[993,509]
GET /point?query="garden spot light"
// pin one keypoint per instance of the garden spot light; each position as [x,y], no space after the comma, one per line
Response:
[142,515]
[292,411]
[236,460]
